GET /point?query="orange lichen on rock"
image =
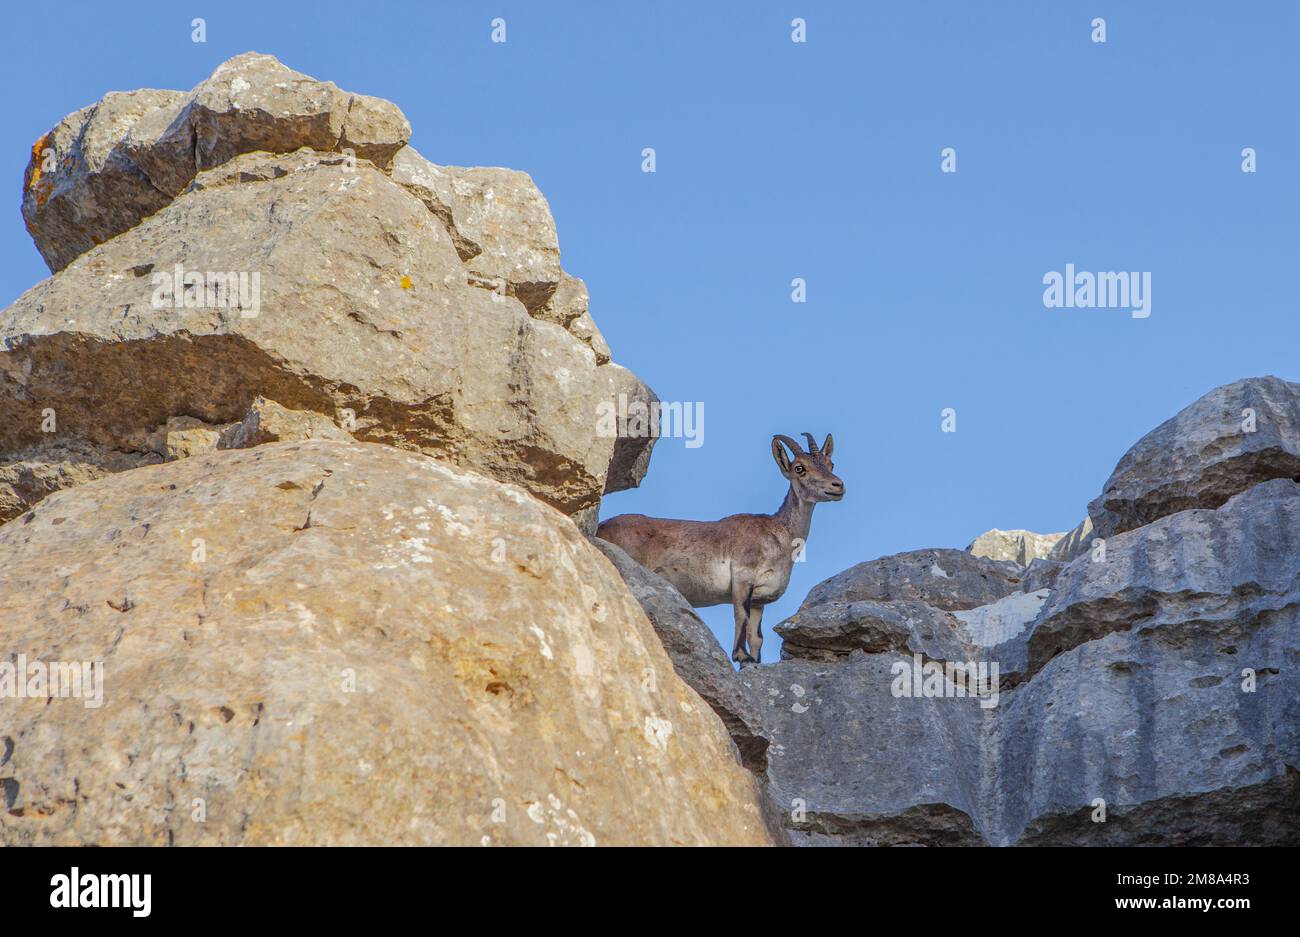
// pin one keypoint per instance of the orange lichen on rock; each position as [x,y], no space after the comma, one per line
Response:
[33,175]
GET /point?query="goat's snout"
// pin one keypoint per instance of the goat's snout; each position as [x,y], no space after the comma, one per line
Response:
[835,489]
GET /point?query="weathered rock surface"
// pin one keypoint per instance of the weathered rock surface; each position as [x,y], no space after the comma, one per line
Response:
[364,307]
[339,643]
[503,227]
[103,169]
[1018,546]
[1234,437]
[850,764]
[267,421]
[29,473]
[695,653]
[338,273]
[1160,680]
[945,579]
[1075,543]
[1041,574]
[631,459]
[1200,569]
[834,630]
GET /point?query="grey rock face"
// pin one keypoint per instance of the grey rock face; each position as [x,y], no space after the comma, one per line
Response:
[1075,543]
[1204,455]
[850,764]
[945,579]
[834,630]
[1160,683]
[1041,574]
[1195,569]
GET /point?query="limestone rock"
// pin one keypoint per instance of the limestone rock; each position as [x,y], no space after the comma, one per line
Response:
[1018,546]
[631,458]
[1235,436]
[833,630]
[363,306]
[1041,574]
[1200,570]
[1075,543]
[267,421]
[851,764]
[102,170]
[345,663]
[945,579]
[1165,684]
[1160,680]
[35,471]
[184,436]
[501,224]
[695,653]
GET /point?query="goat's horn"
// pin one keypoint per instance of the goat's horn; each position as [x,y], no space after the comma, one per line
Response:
[812,445]
[794,446]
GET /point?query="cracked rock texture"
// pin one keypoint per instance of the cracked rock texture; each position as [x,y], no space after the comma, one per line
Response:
[373,647]
[340,274]
[1235,436]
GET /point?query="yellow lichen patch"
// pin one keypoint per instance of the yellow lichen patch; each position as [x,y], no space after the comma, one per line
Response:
[406,282]
[34,167]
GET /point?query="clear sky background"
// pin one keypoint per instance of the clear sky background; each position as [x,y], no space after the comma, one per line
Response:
[822,160]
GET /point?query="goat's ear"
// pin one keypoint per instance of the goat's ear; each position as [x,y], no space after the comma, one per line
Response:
[828,446]
[782,460]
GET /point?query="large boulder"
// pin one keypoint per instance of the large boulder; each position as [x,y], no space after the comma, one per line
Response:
[1164,687]
[1199,569]
[103,169]
[1145,694]
[318,263]
[944,579]
[364,309]
[833,630]
[852,764]
[1235,436]
[344,643]
[695,653]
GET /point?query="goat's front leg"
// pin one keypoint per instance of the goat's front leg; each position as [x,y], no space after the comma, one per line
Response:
[740,595]
[754,633]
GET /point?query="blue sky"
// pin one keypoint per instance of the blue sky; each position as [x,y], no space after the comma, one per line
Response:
[821,160]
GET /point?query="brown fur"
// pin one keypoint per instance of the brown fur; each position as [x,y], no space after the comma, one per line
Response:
[744,559]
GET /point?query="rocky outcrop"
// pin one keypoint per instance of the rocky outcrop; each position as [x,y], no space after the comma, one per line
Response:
[1234,437]
[695,653]
[1146,691]
[341,643]
[105,168]
[270,236]
[1018,546]
[1075,543]
[945,579]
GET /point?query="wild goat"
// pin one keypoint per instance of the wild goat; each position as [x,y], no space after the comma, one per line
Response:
[744,559]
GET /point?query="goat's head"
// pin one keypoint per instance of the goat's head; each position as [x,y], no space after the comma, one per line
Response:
[811,473]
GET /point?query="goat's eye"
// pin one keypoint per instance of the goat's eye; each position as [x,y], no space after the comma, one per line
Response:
[798,469]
